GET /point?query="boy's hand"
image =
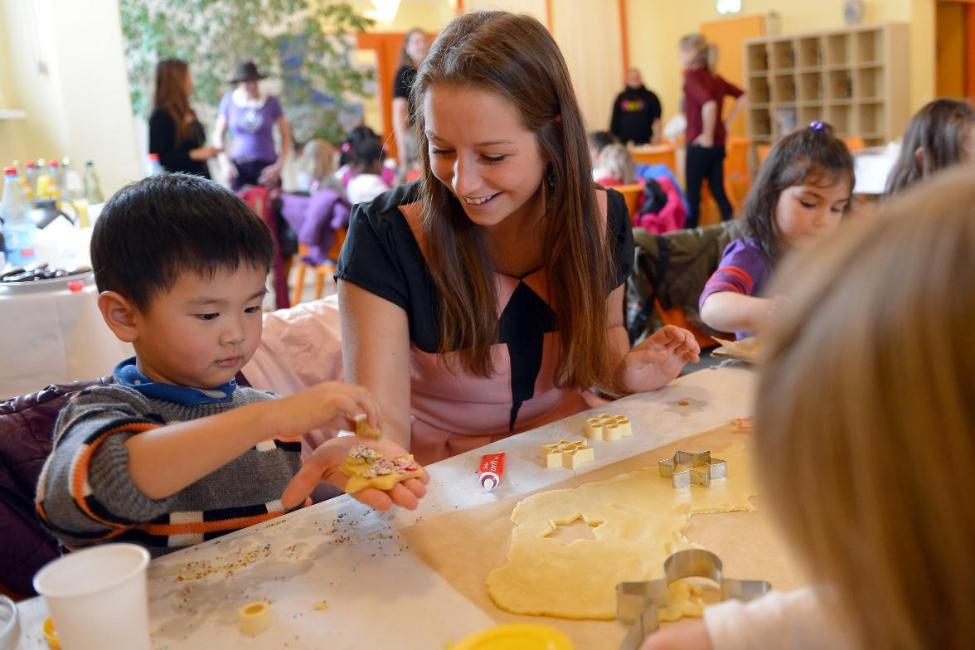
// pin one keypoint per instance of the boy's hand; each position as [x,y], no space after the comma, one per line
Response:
[658,359]
[324,463]
[331,404]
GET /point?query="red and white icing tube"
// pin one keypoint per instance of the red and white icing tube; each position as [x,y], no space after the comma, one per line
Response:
[491,471]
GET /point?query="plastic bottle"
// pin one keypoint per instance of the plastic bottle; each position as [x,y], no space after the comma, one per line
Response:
[153,166]
[45,181]
[19,232]
[93,192]
[30,177]
[73,193]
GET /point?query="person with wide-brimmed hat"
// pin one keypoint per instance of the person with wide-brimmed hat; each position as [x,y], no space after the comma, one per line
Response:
[250,115]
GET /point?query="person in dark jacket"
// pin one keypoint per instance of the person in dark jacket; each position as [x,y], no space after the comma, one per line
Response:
[175,133]
[636,112]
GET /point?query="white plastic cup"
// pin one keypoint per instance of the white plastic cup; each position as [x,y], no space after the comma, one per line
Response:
[97,597]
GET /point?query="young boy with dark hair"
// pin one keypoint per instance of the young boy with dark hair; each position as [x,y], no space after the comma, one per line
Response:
[174,452]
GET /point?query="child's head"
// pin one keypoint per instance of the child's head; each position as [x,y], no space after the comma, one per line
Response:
[802,190]
[865,415]
[356,134]
[939,135]
[180,265]
[599,140]
[615,162]
[317,161]
[367,156]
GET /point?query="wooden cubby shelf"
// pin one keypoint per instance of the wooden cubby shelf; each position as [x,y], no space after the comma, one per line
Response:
[852,78]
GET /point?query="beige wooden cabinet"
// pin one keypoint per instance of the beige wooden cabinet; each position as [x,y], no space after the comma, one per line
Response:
[856,79]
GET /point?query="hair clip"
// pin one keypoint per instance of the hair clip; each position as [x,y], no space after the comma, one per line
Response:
[816,125]
[346,147]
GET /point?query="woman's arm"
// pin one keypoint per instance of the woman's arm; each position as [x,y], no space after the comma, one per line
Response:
[376,354]
[401,124]
[739,104]
[272,173]
[729,311]
[709,119]
[220,139]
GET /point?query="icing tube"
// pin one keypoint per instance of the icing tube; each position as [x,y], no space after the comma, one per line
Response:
[492,469]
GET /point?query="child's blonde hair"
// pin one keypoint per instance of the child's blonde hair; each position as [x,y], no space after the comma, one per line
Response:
[866,418]
[317,160]
[615,161]
[704,53]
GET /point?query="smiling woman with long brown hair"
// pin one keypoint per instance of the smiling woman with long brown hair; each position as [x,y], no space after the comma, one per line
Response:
[175,133]
[487,298]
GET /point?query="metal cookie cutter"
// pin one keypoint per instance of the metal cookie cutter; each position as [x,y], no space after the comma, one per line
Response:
[700,468]
[638,603]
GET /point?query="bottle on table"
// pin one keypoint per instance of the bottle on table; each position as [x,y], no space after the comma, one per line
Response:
[73,193]
[29,182]
[19,232]
[46,187]
[153,166]
[93,191]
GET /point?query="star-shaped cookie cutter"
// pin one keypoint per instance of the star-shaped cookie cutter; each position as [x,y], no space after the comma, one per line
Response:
[699,468]
[638,604]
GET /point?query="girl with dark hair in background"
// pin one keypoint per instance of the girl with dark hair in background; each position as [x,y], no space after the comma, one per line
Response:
[415,47]
[939,135]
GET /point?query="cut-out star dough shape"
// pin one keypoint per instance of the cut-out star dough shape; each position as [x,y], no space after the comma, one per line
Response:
[367,468]
[567,454]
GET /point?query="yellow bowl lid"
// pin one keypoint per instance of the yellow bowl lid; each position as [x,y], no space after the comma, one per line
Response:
[516,636]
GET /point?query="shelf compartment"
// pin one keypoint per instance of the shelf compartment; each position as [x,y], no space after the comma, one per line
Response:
[757,57]
[869,83]
[869,46]
[810,86]
[758,90]
[786,119]
[839,84]
[760,122]
[837,49]
[783,55]
[809,114]
[841,117]
[783,88]
[870,118]
[810,52]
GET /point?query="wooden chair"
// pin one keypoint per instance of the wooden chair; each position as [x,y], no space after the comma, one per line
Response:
[631,194]
[737,181]
[321,271]
[655,154]
[855,143]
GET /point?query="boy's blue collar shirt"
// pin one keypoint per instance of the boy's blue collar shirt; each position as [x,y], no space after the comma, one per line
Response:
[128,374]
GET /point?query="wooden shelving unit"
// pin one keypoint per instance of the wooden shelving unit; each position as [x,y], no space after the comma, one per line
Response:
[856,79]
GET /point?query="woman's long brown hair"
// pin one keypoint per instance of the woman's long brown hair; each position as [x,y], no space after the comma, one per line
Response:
[514,57]
[171,94]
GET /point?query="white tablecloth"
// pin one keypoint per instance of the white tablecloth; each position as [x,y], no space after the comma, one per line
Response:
[53,336]
[379,594]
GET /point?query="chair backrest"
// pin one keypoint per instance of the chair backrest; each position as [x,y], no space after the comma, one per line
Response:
[631,194]
[854,143]
[656,154]
[258,198]
[26,429]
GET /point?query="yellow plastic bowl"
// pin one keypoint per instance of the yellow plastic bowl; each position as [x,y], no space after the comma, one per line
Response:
[516,636]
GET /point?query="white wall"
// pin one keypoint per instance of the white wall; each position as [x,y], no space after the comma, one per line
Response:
[64,64]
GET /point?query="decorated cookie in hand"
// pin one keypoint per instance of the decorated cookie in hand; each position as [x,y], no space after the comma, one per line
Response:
[367,468]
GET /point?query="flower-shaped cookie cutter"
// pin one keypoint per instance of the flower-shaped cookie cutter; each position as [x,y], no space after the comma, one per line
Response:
[638,604]
[698,468]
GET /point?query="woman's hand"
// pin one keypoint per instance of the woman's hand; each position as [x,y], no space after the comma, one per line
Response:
[270,174]
[204,153]
[324,465]
[657,360]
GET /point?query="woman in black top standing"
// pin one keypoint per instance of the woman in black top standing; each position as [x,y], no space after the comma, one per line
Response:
[415,47]
[175,133]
